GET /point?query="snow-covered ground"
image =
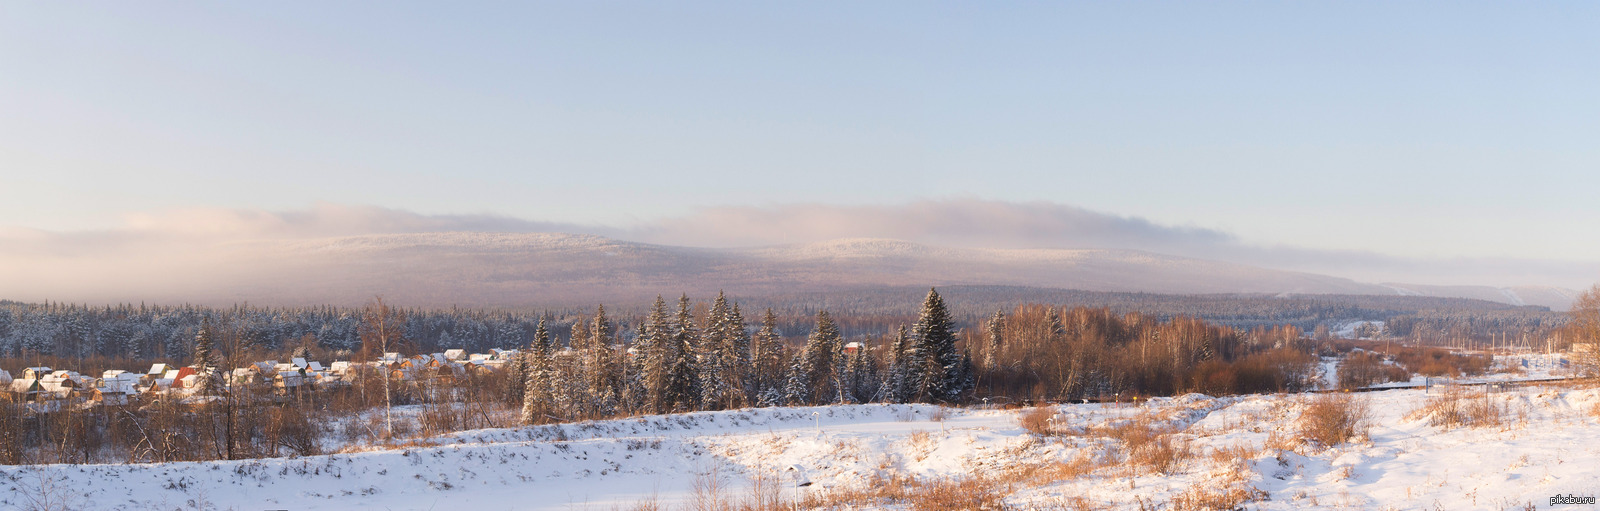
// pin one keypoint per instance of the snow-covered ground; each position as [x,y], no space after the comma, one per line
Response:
[1545,448]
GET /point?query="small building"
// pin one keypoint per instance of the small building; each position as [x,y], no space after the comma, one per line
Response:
[340,367]
[27,389]
[34,373]
[455,354]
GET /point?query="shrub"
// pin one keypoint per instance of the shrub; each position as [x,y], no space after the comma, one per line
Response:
[1363,368]
[1037,420]
[1455,406]
[1333,419]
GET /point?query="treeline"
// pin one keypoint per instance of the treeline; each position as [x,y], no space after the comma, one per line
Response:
[1035,353]
[680,361]
[679,357]
[1479,319]
[1047,353]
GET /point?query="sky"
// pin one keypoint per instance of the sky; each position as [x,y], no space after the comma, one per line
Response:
[1417,131]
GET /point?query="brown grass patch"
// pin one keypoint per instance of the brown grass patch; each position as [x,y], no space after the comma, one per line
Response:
[1037,420]
[1456,406]
[1333,419]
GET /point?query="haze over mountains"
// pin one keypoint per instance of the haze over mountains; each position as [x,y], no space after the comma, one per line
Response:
[344,255]
[548,269]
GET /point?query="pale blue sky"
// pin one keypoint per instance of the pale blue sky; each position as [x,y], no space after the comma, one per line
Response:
[1451,129]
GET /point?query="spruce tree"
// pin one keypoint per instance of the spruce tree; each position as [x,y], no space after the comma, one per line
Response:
[204,356]
[714,377]
[899,380]
[997,326]
[537,400]
[736,359]
[602,370]
[819,359]
[940,377]
[682,383]
[657,359]
[767,359]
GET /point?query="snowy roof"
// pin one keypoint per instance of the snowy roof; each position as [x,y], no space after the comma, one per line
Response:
[455,354]
[298,362]
[21,386]
[158,369]
[340,366]
[315,366]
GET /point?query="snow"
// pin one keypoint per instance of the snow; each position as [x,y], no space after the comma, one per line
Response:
[1544,449]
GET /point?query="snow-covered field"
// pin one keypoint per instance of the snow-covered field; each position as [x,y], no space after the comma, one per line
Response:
[1546,446]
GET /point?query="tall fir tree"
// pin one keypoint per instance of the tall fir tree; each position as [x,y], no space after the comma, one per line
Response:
[898,380]
[602,369]
[657,359]
[537,401]
[204,354]
[997,327]
[714,377]
[941,375]
[767,359]
[819,359]
[683,390]
[736,359]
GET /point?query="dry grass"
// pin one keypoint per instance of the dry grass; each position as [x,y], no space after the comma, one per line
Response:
[1456,406]
[1333,419]
[1228,487]
[1207,498]
[1037,420]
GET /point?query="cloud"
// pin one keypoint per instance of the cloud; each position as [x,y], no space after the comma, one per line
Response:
[962,223]
[181,251]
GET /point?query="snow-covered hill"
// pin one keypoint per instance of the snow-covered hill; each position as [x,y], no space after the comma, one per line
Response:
[508,269]
[1556,298]
[1540,449]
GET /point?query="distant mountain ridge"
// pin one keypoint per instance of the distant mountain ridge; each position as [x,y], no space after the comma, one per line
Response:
[552,269]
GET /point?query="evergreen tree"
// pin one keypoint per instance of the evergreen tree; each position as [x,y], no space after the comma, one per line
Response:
[997,326]
[657,358]
[537,401]
[767,359]
[861,375]
[516,378]
[713,342]
[899,379]
[682,383]
[724,356]
[736,358]
[204,356]
[1058,332]
[602,369]
[939,375]
[818,361]
[796,383]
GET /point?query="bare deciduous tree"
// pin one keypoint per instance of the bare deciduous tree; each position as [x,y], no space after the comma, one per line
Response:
[383,331]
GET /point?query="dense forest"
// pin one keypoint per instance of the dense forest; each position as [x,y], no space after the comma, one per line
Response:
[137,334]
